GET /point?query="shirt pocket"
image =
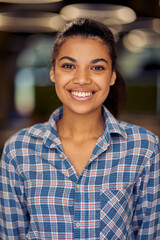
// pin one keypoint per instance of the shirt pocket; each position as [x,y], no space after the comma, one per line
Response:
[115,214]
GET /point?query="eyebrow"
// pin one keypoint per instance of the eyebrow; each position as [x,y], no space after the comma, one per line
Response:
[93,61]
[68,58]
[99,60]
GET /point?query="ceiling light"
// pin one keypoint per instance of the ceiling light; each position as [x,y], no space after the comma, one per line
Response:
[156,25]
[137,39]
[30,1]
[99,11]
[30,22]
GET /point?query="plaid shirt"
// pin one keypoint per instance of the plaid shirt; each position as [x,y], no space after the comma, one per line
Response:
[117,196]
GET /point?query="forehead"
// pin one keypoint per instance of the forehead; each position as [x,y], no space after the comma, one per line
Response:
[83,45]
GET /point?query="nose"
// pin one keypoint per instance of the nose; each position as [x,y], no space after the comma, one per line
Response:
[82,77]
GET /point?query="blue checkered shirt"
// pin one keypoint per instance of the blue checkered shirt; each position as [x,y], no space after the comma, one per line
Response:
[116,197]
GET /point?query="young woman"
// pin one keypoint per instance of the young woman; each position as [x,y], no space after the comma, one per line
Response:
[83,174]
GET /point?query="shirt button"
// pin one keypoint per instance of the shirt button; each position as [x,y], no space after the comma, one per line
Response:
[77,224]
[78,186]
[61,155]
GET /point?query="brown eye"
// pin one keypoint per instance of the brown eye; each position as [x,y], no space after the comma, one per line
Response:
[68,66]
[98,68]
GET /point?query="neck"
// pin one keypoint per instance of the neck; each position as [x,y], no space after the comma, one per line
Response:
[81,126]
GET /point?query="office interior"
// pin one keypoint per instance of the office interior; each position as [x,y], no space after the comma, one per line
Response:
[27,33]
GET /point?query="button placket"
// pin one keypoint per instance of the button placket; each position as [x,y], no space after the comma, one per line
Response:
[78,224]
[61,155]
[77,211]
[78,186]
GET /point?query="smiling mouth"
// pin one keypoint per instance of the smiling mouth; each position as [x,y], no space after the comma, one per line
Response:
[82,94]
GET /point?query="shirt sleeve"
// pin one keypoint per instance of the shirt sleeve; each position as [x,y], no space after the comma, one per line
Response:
[14,218]
[146,221]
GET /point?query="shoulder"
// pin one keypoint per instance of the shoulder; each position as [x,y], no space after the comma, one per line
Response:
[33,140]
[130,132]
[140,137]
[36,130]
[137,132]
[24,138]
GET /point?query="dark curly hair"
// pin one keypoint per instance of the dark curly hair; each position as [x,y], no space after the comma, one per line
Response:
[90,28]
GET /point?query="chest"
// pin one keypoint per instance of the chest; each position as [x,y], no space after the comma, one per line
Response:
[78,152]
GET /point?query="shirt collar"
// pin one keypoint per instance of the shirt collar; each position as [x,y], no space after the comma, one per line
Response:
[112,125]
[48,131]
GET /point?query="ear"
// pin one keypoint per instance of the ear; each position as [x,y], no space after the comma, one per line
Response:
[113,78]
[52,75]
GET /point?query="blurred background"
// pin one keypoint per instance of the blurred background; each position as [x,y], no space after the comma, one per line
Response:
[27,32]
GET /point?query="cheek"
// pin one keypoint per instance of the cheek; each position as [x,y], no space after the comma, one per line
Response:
[103,82]
[60,84]
[61,79]
[59,92]
[105,86]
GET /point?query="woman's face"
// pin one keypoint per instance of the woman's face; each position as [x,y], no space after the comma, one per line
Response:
[83,74]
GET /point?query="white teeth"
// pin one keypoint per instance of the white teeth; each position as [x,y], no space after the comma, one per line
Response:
[81,94]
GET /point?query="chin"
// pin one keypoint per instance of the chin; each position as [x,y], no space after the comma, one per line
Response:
[82,109]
